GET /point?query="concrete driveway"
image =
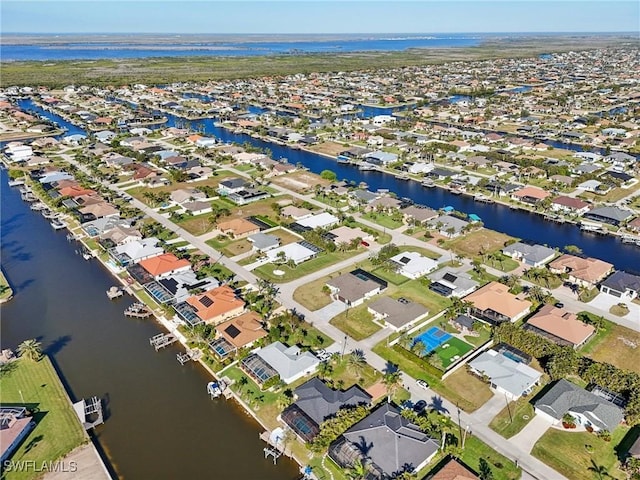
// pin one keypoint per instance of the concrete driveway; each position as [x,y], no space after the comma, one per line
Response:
[604,301]
[531,433]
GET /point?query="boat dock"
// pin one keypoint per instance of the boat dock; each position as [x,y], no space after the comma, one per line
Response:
[554,218]
[89,412]
[483,199]
[115,292]
[189,355]
[138,310]
[630,239]
[162,340]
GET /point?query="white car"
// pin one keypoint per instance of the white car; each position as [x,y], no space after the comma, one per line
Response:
[423,384]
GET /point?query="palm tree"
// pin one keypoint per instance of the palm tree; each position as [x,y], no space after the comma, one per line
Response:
[357,471]
[32,349]
[600,470]
[405,341]
[243,382]
[418,348]
[392,380]
[357,361]
[325,370]
[537,293]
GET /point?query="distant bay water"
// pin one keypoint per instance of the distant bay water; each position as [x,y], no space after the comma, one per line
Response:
[72,49]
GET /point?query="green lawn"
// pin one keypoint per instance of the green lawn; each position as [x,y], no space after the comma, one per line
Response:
[456,347]
[390,276]
[508,424]
[312,296]
[608,345]
[574,453]
[383,219]
[58,430]
[501,467]
[323,260]
[366,377]
[356,322]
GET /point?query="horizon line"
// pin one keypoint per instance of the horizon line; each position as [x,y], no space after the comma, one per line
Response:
[324,33]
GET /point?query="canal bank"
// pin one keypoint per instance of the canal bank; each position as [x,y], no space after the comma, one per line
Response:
[160,422]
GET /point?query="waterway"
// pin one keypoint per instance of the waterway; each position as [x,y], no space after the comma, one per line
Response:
[160,422]
[497,217]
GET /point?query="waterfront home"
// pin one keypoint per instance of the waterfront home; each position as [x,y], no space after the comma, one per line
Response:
[118,235]
[417,214]
[532,255]
[133,252]
[586,272]
[16,425]
[97,210]
[276,359]
[586,408]
[494,303]
[622,285]
[164,265]
[439,173]
[413,265]
[319,220]
[238,227]
[381,158]
[355,287]
[261,242]
[448,225]
[386,203]
[54,176]
[452,470]
[315,403]
[239,332]
[177,287]
[293,252]
[347,235]
[570,205]
[560,326]
[394,444]
[396,313]
[449,282]
[232,185]
[506,376]
[216,305]
[99,226]
[362,197]
[611,215]
[531,195]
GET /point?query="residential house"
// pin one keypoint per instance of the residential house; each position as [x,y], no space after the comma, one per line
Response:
[232,185]
[183,195]
[611,215]
[506,376]
[448,225]
[560,326]
[346,235]
[261,242]
[586,408]
[394,445]
[164,265]
[295,213]
[197,208]
[380,158]
[319,220]
[396,313]
[586,272]
[293,252]
[413,265]
[315,402]
[451,283]
[384,204]
[531,195]
[179,286]
[133,252]
[355,287]
[494,304]
[621,284]
[417,214]
[532,255]
[290,363]
[452,470]
[15,427]
[119,235]
[634,450]
[569,205]
[238,227]
[239,332]
[247,195]
[216,305]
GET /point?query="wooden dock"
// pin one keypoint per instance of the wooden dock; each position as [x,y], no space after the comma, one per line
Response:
[89,412]
[162,340]
[138,310]
[189,355]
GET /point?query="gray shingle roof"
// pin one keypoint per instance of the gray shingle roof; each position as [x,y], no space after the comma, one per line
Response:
[622,281]
[530,253]
[566,397]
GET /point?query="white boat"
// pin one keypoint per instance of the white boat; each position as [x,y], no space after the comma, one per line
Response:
[16,183]
[58,224]
[215,389]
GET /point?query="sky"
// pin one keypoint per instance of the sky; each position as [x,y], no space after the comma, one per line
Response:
[320,16]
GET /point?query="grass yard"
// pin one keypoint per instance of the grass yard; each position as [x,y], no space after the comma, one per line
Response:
[58,430]
[383,219]
[456,348]
[414,290]
[615,344]
[356,322]
[390,276]
[521,412]
[312,296]
[342,370]
[501,467]
[483,240]
[323,260]
[332,200]
[574,454]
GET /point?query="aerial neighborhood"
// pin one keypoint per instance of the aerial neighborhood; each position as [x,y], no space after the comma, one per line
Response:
[452,332]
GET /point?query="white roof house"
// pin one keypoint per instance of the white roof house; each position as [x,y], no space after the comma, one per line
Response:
[290,362]
[133,252]
[295,252]
[507,376]
[414,265]
[321,220]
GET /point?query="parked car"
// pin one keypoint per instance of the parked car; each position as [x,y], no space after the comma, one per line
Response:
[558,305]
[422,384]
[420,406]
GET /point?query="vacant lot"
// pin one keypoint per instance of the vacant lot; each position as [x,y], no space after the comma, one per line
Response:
[475,243]
[138,192]
[328,148]
[576,454]
[356,322]
[617,345]
[57,431]
[300,181]
[513,418]
[324,259]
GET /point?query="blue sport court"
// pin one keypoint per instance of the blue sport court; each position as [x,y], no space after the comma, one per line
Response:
[432,338]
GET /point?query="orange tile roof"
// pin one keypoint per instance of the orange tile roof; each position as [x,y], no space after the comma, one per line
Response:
[454,471]
[75,191]
[247,329]
[588,269]
[562,324]
[496,296]
[532,192]
[215,303]
[165,263]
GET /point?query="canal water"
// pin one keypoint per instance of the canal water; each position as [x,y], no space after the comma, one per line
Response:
[497,217]
[160,421]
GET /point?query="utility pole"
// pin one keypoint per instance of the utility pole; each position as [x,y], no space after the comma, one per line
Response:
[459,423]
[508,408]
